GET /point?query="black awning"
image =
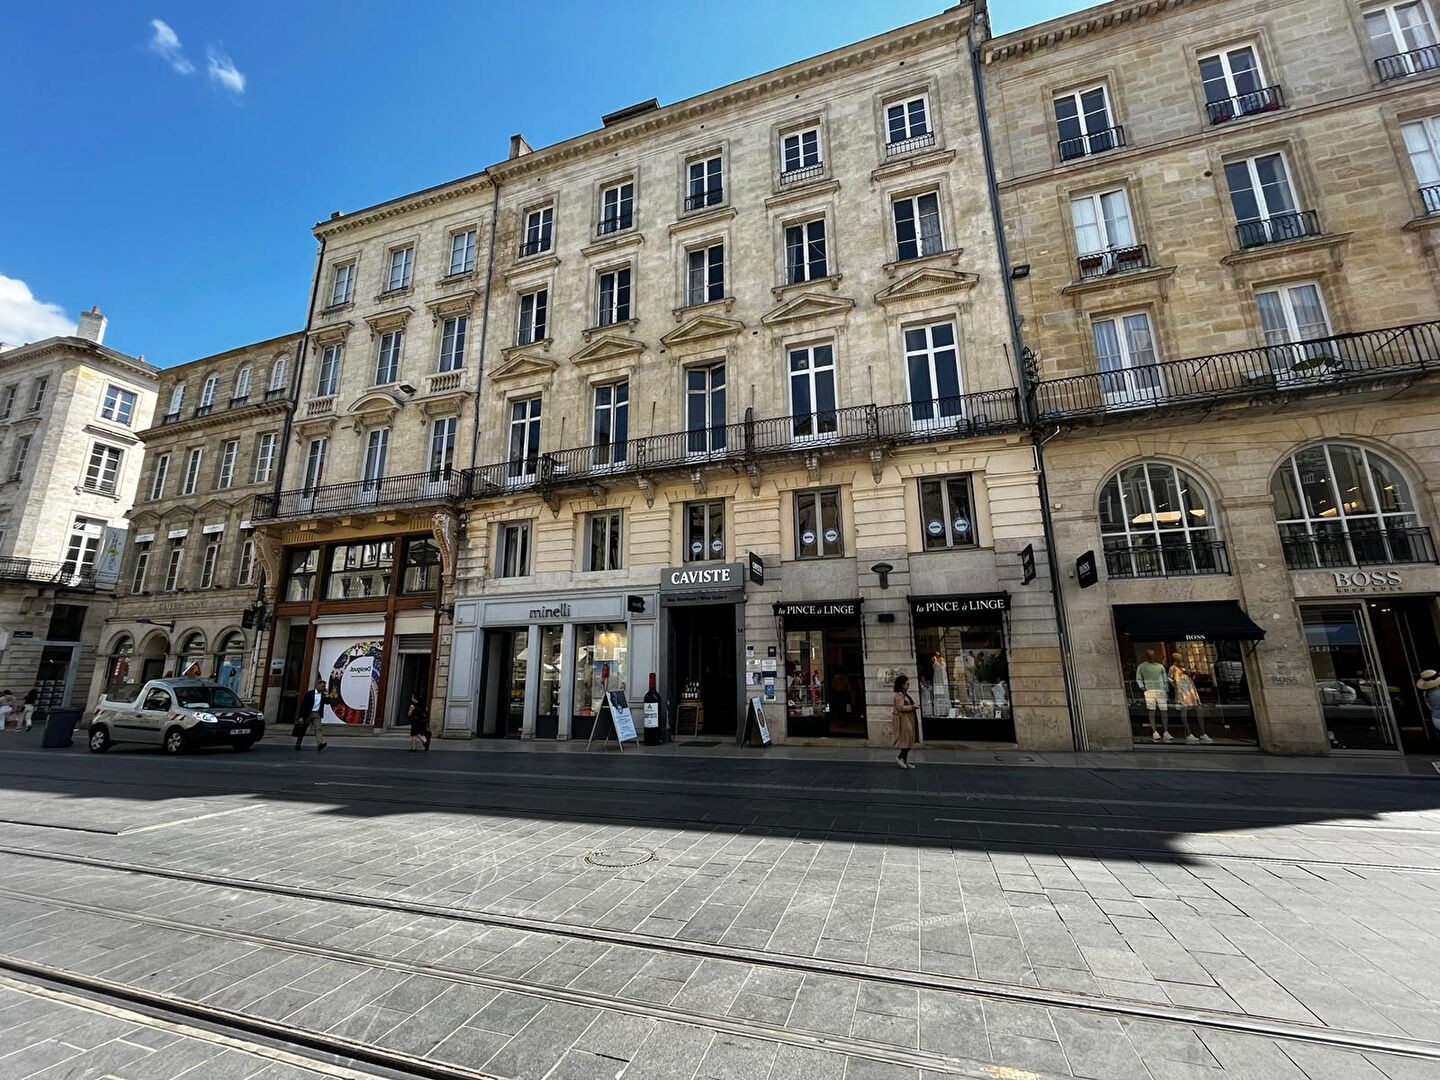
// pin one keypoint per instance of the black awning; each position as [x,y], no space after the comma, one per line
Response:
[962,610]
[818,614]
[1182,622]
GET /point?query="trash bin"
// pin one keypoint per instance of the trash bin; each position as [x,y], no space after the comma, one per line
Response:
[60,728]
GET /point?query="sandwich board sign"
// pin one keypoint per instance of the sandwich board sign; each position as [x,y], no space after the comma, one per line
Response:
[755,731]
[616,720]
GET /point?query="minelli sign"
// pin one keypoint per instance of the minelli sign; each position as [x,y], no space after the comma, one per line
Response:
[721,578]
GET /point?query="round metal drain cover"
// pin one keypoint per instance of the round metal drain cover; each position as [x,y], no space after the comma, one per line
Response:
[615,858]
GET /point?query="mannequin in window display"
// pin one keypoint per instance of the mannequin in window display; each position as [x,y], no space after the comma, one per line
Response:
[940,686]
[1187,700]
[1150,677]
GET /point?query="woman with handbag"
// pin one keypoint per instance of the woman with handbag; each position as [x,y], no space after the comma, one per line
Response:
[419,724]
[903,720]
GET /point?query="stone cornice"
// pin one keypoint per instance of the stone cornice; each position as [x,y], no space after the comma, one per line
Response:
[79,350]
[405,204]
[1083,24]
[242,418]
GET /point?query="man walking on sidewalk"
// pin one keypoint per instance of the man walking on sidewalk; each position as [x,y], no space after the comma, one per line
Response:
[314,716]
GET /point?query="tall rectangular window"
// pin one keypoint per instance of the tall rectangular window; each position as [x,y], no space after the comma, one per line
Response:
[402,265]
[279,370]
[315,455]
[539,231]
[162,474]
[177,403]
[208,563]
[817,525]
[228,453]
[617,208]
[377,451]
[1125,351]
[329,381]
[614,297]
[37,393]
[524,436]
[705,531]
[387,362]
[1102,222]
[301,568]
[1264,200]
[812,391]
[799,151]
[512,555]
[705,275]
[705,409]
[173,564]
[703,184]
[264,457]
[1292,313]
[119,405]
[603,545]
[1403,38]
[805,255]
[947,517]
[83,546]
[462,252]
[245,564]
[932,368]
[917,226]
[907,125]
[7,400]
[1234,84]
[1084,123]
[191,479]
[342,285]
[18,457]
[1422,141]
[242,385]
[452,343]
[207,394]
[611,422]
[533,325]
[442,447]
[102,474]
[142,568]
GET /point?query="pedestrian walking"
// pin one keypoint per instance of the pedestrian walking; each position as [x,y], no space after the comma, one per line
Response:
[313,717]
[7,706]
[419,724]
[1429,686]
[31,700]
[903,719]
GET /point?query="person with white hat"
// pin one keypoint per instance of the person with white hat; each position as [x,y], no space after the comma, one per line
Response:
[1429,685]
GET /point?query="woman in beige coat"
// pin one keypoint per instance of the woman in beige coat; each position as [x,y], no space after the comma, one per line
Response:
[902,718]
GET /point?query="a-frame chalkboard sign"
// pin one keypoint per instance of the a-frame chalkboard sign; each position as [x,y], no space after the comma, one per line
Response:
[754,731]
[615,720]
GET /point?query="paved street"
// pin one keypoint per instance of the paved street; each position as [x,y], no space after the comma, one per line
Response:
[497,910]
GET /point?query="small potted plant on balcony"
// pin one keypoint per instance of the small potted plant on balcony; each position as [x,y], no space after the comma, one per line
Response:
[1317,366]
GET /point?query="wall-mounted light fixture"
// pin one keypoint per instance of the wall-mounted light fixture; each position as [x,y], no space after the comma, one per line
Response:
[883,569]
[1019,272]
[448,610]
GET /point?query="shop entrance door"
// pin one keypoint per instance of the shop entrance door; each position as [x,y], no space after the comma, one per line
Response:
[507,660]
[1353,689]
[551,675]
[1407,643]
[825,683]
[413,677]
[702,659]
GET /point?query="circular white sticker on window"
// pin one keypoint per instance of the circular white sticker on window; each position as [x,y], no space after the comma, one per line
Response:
[717,545]
[935,528]
[697,548]
[831,536]
[807,538]
[962,525]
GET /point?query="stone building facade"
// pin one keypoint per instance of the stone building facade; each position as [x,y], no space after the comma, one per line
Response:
[70,460]
[1221,217]
[188,586]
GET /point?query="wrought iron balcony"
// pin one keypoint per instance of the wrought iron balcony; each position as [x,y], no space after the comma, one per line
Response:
[1092,142]
[1168,560]
[1266,99]
[615,223]
[1280,229]
[697,200]
[534,247]
[360,496]
[1099,264]
[1298,367]
[904,146]
[800,175]
[171,417]
[1415,62]
[275,393]
[64,574]
[1371,547]
[1430,196]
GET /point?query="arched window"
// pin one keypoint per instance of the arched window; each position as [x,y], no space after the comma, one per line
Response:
[120,668]
[207,392]
[242,384]
[1157,521]
[177,400]
[278,371]
[192,657]
[1343,505]
[230,657]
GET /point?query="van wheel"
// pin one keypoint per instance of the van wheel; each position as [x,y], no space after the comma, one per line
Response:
[174,741]
[243,744]
[99,738]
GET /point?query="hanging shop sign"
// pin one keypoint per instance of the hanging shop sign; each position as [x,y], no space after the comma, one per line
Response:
[1027,564]
[1086,573]
[757,569]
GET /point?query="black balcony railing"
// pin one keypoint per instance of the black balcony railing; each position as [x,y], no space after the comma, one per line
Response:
[359,496]
[204,410]
[1430,196]
[1415,62]
[1266,99]
[800,175]
[534,247]
[1098,264]
[904,146]
[275,393]
[615,223]
[1168,560]
[1279,229]
[170,417]
[1093,142]
[699,199]
[236,402]
[1368,547]
[65,574]
[1312,364]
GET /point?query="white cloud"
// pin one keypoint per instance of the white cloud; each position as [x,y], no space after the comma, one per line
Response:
[24,318]
[222,70]
[165,43]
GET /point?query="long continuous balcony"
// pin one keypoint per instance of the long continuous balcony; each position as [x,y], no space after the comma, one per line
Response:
[64,574]
[1310,365]
[360,496]
[1370,547]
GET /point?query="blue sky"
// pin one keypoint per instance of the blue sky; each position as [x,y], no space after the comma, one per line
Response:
[166,162]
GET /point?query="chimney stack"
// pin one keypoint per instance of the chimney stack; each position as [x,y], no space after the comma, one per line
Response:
[92,326]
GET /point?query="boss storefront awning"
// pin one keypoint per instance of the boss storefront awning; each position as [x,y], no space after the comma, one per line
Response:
[1179,622]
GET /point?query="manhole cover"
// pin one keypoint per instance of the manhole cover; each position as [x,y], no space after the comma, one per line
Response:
[614,858]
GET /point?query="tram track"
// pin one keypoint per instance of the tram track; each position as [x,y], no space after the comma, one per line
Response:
[1259,1026]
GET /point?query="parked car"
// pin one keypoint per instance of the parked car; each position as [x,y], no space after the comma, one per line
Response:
[176,715]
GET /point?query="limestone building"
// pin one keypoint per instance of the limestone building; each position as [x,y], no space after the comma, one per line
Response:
[70,456]
[187,589]
[1221,216]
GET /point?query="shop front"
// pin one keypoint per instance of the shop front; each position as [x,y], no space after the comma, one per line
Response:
[1185,673]
[702,617]
[824,650]
[962,667]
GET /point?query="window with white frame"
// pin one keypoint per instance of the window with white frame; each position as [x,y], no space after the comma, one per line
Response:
[1422,142]
[83,546]
[705,531]
[800,154]
[328,382]
[613,300]
[118,406]
[917,226]
[102,474]
[817,525]
[162,474]
[705,275]
[377,451]
[402,266]
[209,561]
[533,321]
[242,384]
[462,252]
[442,447]
[1294,318]
[7,400]
[452,343]
[617,207]
[1235,85]
[705,409]
[1104,233]
[932,369]
[611,422]
[279,371]
[315,455]
[539,231]
[191,479]
[512,552]
[1403,38]
[37,393]
[18,456]
[1157,521]
[1263,198]
[207,393]
[812,391]
[174,562]
[387,360]
[604,549]
[1125,353]
[1085,124]
[805,252]
[704,183]
[142,567]
[264,456]
[947,514]
[228,455]
[524,436]
[177,402]
[245,564]
[907,125]
[342,284]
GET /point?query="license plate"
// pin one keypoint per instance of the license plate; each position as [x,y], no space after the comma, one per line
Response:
[240,731]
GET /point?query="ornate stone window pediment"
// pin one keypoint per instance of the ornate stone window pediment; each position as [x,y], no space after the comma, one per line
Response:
[520,365]
[334,334]
[392,319]
[532,269]
[605,348]
[701,332]
[809,305]
[912,163]
[927,281]
[448,307]
[375,408]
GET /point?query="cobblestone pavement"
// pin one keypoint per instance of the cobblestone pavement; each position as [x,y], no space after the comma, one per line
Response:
[508,913]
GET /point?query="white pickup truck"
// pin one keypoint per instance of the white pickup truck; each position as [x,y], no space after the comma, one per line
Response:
[175,715]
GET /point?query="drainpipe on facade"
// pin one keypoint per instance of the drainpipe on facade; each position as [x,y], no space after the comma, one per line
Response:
[484,321]
[980,25]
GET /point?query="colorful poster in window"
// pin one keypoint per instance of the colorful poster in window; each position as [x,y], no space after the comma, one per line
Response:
[351,670]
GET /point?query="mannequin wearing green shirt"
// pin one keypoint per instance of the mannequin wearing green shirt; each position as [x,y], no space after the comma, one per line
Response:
[1150,677]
